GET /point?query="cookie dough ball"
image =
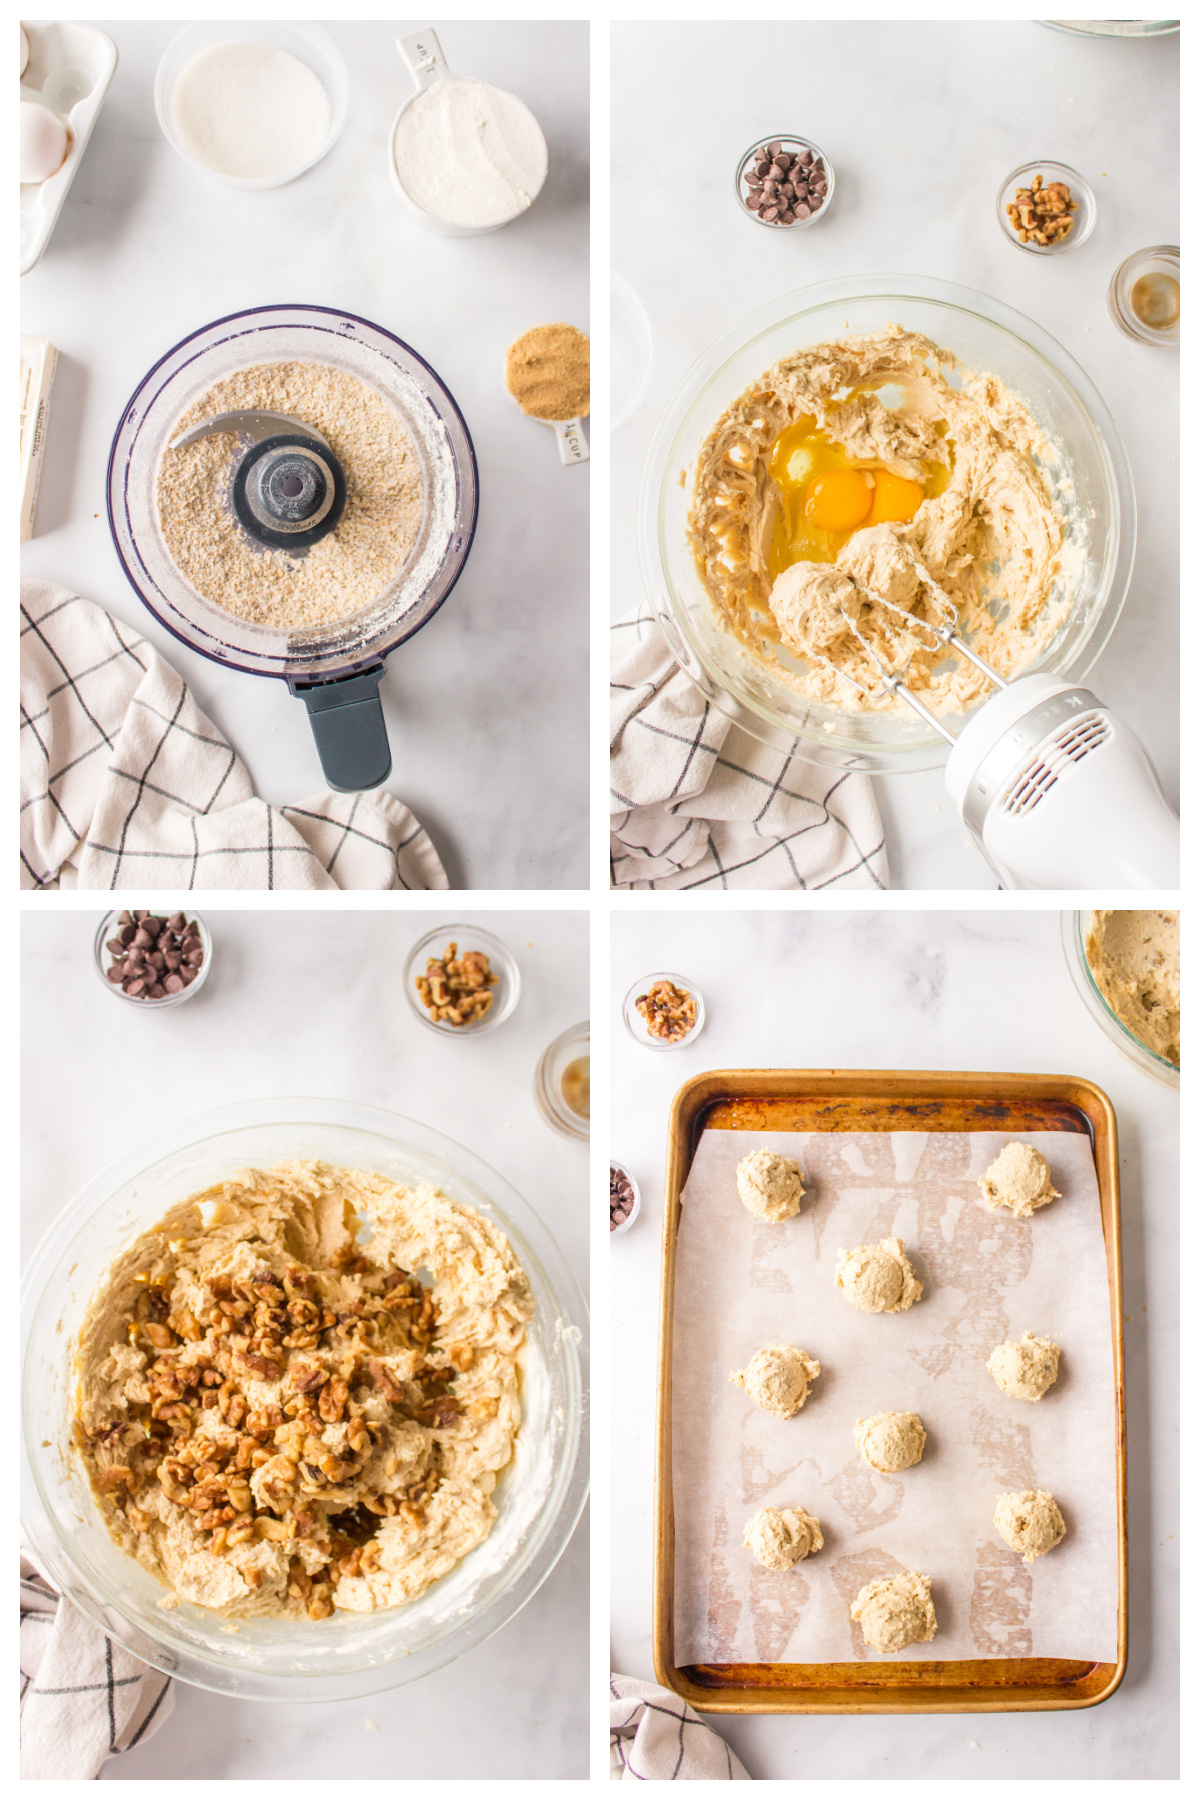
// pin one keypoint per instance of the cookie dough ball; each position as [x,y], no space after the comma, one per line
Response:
[771,1186]
[878,1277]
[890,1441]
[777,1378]
[1025,1369]
[896,1612]
[1029,1522]
[1020,1179]
[780,1538]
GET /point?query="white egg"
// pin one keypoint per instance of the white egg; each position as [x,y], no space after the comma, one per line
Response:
[24,51]
[44,142]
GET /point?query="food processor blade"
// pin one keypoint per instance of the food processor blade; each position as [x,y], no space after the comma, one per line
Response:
[256,425]
[288,489]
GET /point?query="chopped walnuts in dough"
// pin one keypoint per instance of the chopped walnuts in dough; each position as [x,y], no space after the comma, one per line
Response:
[782,1537]
[777,1378]
[1029,1523]
[1026,1368]
[1134,957]
[771,1186]
[895,1612]
[1019,1179]
[878,1278]
[278,1419]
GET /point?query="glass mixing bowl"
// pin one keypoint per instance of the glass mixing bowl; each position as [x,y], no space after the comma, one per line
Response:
[986,336]
[1075,927]
[539,1496]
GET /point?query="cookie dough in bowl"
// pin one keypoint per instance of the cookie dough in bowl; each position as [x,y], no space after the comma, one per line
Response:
[384,1582]
[1134,960]
[771,1186]
[781,1537]
[845,470]
[278,1420]
[834,416]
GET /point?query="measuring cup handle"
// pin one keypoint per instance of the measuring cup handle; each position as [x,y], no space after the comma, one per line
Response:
[572,440]
[423,55]
[347,722]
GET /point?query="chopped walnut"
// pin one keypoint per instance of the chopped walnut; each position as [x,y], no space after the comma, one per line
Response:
[669,1012]
[267,1484]
[457,990]
[1041,213]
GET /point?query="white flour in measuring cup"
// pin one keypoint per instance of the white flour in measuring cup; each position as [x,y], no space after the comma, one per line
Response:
[470,153]
[247,110]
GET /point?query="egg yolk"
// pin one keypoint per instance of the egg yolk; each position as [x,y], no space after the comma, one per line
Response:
[839,500]
[895,500]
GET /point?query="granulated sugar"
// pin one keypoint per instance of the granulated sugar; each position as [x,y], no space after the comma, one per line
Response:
[248,110]
[470,153]
[347,570]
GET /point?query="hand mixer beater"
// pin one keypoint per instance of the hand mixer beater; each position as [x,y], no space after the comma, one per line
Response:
[1056,790]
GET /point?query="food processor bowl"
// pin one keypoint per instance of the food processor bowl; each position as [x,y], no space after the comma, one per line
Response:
[334,668]
[539,1495]
[987,337]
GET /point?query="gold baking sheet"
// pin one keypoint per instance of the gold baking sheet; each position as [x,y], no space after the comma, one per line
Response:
[883,1101]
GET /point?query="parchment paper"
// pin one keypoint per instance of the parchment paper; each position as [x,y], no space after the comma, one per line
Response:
[988,1276]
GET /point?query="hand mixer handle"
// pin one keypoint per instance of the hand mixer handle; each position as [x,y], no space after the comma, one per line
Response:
[348,724]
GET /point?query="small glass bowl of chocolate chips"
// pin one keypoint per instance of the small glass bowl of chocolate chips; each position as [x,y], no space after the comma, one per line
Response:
[624,1198]
[153,959]
[784,182]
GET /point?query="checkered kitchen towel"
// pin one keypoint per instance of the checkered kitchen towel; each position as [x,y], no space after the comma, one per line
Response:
[126,784]
[83,1698]
[698,803]
[653,1735]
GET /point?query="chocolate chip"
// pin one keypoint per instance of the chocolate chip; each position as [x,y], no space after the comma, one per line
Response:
[804,212]
[769,213]
[154,957]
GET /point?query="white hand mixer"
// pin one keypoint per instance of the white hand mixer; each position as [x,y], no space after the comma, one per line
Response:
[1056,790]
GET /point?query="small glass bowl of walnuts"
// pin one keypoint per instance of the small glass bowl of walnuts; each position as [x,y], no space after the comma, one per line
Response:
[461,980]
[1046,208]
[664,1011]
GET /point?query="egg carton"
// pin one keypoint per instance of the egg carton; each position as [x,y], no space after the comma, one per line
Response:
[69,71]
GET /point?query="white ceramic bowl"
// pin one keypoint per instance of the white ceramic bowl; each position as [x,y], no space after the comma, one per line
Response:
[539,1495]
[307,43]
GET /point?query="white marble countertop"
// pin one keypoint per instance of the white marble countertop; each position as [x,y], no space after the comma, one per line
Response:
[486,707]
[922,122]
[907,990]
[516,1706]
